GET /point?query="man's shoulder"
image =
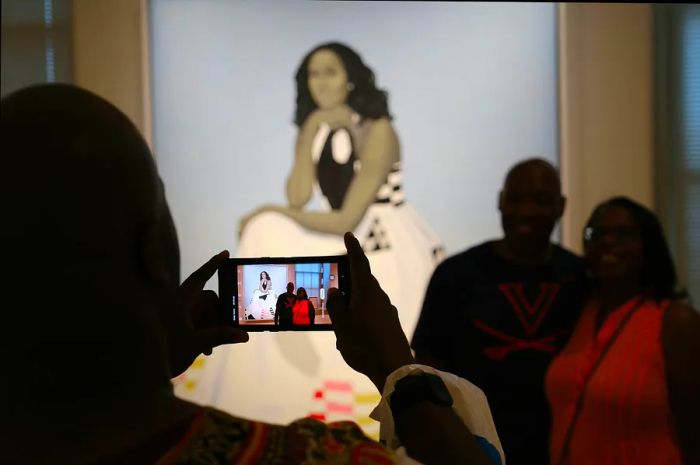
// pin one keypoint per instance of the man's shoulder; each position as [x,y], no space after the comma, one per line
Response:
[567,259]
[567,254]
[567,268]
[468,259]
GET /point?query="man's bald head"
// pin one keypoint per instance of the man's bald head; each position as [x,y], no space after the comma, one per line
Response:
[530,204]
[534,169]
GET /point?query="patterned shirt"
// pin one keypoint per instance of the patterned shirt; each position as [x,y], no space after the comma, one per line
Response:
[215,437]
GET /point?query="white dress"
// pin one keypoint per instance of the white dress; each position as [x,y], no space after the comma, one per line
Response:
[403,251]
[262,305]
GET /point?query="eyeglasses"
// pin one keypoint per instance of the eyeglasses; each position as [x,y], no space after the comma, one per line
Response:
[621,234]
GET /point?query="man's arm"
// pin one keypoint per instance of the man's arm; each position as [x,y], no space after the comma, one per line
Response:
[371,341]
[312,312]
[430,341]
[280,303]
[434,434]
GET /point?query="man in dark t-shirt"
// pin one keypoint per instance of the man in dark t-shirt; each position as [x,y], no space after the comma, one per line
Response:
[497,313]
[285,306]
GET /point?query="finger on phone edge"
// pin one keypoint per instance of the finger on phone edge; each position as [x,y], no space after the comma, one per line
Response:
[206,271]
[359,264]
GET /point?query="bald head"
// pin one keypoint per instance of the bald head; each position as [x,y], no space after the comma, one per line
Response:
[535,170]
[530,204]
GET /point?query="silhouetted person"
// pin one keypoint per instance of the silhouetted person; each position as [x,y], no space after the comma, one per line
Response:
[497,313]
[95,323]
[285,306]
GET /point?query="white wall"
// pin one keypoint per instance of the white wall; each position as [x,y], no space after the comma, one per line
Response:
[110,55]
[606,107]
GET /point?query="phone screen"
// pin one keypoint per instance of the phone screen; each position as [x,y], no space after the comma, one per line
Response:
[281,293]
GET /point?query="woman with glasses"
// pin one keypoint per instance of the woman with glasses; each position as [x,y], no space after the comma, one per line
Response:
[625,389]
[304,312]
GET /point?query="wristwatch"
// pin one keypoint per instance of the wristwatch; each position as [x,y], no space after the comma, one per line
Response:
[414,389]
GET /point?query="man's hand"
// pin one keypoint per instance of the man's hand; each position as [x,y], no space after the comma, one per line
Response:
[199,331]
[369,335]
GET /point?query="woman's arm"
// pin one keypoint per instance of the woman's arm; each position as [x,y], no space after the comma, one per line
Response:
[681,343]
[301,179]
[380,152]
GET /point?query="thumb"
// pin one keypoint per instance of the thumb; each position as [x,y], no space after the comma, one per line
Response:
[336,305]
[206,340]
[200,277]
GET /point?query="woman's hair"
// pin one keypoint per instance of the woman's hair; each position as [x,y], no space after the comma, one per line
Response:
[301,293]
[365,98]
[658,271]
[267,276]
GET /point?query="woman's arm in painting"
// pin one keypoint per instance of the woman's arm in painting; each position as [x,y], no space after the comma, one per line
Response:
[380,152]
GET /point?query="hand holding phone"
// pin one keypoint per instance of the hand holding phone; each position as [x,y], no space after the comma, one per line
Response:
[368,329]
[193,327]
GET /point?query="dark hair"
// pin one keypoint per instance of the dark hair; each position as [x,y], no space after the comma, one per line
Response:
[658,271]
[300,291]
[365,98]
[267,275]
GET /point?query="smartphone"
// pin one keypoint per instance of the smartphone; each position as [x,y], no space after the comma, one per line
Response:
[281,293]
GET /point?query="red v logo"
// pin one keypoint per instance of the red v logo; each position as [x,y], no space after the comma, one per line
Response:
[530,314]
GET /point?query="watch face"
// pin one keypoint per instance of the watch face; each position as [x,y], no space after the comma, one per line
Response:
[438,387]
[415,389]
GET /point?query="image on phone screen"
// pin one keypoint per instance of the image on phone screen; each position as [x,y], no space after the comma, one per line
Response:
[282,293]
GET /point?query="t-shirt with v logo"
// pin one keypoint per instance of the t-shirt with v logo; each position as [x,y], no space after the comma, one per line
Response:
[499,325]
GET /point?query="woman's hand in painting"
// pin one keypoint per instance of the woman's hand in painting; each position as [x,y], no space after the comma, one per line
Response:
[368,331]
[197,329]
[336,117]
